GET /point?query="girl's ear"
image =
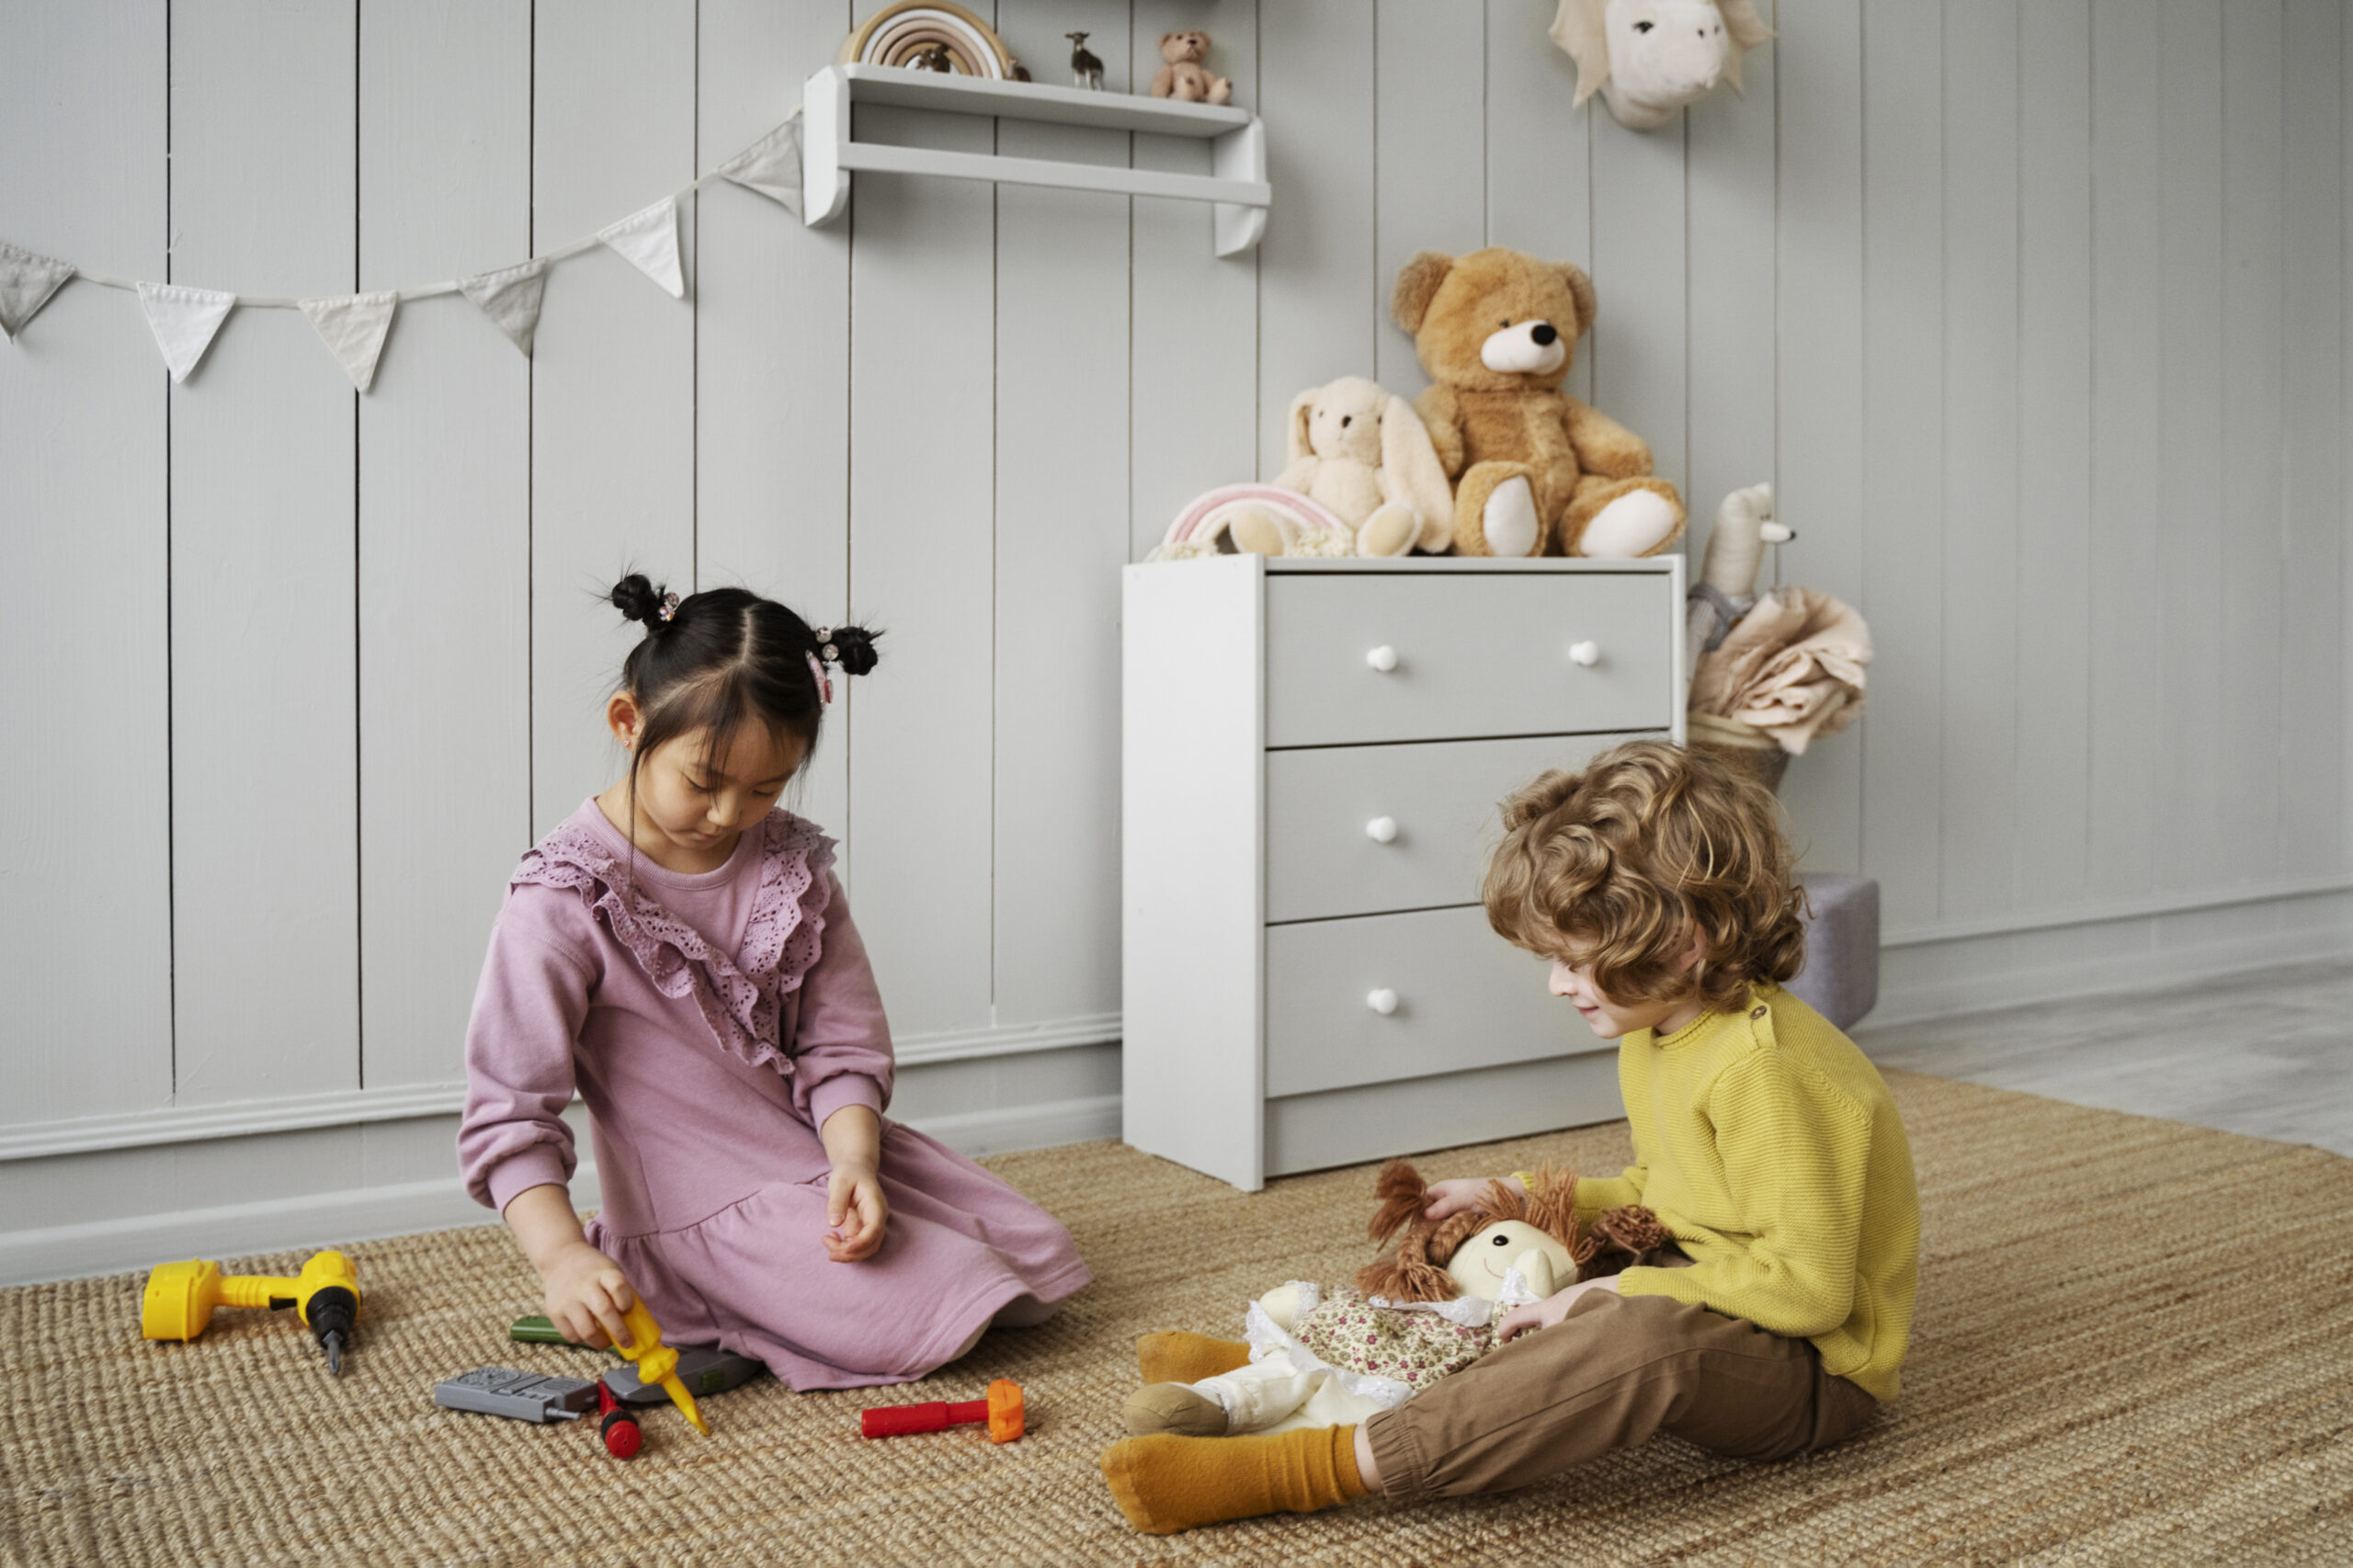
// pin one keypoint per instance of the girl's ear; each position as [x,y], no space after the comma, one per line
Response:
[621,716]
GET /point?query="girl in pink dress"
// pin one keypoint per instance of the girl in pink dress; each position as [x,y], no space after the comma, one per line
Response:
[679,953]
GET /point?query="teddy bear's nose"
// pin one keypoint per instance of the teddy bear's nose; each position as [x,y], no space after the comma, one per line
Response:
[1542,333]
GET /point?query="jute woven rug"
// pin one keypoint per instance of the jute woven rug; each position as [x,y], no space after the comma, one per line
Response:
[2135,1345]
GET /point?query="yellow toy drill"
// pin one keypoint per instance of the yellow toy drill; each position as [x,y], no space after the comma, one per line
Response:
[180,1298]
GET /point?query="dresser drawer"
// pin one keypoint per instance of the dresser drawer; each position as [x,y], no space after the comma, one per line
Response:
[1475,654]
[1436,802]
[1464,998]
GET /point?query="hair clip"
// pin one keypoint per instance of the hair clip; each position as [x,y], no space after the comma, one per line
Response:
[669,606]
[825,686]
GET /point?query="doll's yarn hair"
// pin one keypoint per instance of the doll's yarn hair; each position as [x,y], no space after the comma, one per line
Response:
[1415,1270]
[713,662]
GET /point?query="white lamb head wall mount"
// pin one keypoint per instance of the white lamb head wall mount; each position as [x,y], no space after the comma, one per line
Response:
[1649,57]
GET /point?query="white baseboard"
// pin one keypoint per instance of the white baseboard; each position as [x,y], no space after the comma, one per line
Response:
[357,1214]
[2009,975]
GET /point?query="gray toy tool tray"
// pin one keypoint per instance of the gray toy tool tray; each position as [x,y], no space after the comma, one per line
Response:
[704,1368]
[520,1396]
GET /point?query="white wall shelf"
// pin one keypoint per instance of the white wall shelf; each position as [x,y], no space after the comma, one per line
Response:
[828,153]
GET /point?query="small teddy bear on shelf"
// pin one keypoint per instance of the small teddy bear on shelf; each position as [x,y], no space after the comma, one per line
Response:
[1183,77]
[1322,1357]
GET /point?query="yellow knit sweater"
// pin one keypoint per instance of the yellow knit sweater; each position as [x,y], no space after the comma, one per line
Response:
[1768,1146]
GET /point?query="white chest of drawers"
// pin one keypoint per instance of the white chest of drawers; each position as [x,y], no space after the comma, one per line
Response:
[1313,752]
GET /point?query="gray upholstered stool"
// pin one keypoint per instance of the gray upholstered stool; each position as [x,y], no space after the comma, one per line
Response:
[1840,980]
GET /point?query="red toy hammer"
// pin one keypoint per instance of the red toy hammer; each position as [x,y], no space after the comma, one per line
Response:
[1001,1410]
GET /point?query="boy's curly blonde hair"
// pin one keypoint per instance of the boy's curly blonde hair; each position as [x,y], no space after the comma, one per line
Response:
[1612,870]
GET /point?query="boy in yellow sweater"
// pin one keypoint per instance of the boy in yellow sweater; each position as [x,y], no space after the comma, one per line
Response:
[1659,885]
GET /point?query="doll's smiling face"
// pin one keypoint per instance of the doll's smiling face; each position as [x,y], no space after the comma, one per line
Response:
[1479,1264]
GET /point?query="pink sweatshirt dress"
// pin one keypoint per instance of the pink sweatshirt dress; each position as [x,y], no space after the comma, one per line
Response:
[712,1024]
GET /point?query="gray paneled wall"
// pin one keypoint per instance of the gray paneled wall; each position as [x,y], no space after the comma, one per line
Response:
[2033,309]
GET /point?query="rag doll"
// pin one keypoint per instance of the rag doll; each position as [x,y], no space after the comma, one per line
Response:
[1322,1357]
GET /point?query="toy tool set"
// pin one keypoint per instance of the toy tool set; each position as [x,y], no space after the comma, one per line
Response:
[518,1397]
[1001,1410]
[180,1296]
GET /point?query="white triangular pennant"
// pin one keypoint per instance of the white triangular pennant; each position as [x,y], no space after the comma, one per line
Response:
[27,280]
[184,321]
[649,240]
[771,166]
[510,297]
[353,327]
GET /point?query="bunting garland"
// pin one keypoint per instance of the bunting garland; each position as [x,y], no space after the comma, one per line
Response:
[355,326]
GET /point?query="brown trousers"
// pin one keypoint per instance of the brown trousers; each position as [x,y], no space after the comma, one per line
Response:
[1616,1370]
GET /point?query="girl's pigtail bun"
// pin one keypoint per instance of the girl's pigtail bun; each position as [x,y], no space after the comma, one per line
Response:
[852,648]
[638,599]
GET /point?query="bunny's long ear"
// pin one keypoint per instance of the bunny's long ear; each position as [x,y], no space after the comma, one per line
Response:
[1410,473]
[1578,28]
[1295,436]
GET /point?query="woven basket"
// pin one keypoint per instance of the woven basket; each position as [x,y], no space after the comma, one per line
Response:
[1743,746]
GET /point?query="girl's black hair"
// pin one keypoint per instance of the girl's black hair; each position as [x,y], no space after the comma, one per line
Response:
[726,657]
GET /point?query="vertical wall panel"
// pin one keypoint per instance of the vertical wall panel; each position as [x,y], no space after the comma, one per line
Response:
[2246,831]
[2053,567]
[445,189]
[1540,155]
[1903,440]
[1193,329]
[265,804]
[1819,257]
[1981,478]
[1637,348]
[772,324]
[83,476]
[1062,533]
[922,493]
[612,376]
[2128,331]
[1430,93]
[1731,148]
[2312,623]
[2189,532]
[1320,302]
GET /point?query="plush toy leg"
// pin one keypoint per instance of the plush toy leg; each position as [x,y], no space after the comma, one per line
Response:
[1259,531]
[1391,530]
[1178,1357]
[1495,511]
[1621,520]
[1173,1407]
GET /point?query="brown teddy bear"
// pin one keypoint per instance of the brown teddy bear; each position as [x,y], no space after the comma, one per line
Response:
[1536,471]
[1183,78]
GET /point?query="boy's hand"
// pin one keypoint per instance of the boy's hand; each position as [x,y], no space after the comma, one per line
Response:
[1454,1196]
[1548,1311]
[586,1295]
[857,1210]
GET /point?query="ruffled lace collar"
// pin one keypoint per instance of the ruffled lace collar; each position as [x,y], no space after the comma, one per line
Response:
[739,997]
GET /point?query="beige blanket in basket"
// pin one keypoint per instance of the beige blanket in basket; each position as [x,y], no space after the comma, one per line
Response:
[1793,667]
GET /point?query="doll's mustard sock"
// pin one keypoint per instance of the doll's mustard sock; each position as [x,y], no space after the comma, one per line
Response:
[1166,1483]
[1176,1358]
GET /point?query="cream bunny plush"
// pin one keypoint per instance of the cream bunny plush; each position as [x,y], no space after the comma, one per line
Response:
[1366,456]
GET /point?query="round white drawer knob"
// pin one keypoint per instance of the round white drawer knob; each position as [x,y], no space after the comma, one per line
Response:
[1383,1001]
[1381,830]
[1383,658]
[1587,653]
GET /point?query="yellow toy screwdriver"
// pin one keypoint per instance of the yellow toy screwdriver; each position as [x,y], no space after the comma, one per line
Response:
[180,1298]
[656,1362]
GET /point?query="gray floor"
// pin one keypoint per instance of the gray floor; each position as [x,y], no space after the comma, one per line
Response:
[2267,1052]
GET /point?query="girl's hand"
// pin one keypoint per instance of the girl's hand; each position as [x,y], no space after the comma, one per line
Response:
[1548,1311]
[587,1294]
[857,1210]
[1454,1196]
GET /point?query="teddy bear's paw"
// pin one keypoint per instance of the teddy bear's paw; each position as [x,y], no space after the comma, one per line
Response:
[1509,519]
[1173,1408]
[1631,527]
